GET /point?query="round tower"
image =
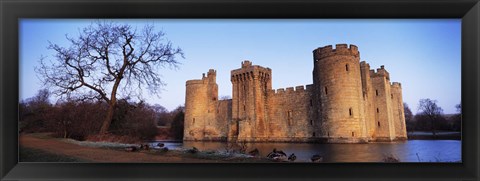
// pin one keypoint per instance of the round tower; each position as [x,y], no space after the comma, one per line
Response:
[339,106]
[201,99]
[195,109]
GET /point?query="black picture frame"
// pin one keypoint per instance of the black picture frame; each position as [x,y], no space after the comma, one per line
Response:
[11,11]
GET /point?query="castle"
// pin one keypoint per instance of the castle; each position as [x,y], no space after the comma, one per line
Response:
[347,103]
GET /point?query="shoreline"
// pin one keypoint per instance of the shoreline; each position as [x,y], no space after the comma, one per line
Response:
[42,148]
[421,135]
[39,147]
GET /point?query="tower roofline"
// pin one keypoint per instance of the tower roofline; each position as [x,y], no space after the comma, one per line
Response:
[340,49]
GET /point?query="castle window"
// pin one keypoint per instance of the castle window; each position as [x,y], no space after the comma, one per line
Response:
[350,111]
[346,67]
[311,122]
[376,92]
[313,133]
[244,108]
[353,134]
[391,95]
[378,123]
[214,99]
[289,114]
[193,122]
[326,91]
[311,102]
[377,110]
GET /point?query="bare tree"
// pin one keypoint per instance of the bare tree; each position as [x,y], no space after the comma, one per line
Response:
[430,109]
[459,107]
[408,117]
[178,122]
[107,58]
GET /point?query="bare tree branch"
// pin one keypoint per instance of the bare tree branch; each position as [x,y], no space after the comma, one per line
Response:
[101,57]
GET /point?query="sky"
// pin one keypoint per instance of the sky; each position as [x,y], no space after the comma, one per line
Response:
[422,54]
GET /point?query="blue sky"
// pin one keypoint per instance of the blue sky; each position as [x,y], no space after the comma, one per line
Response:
[424,55]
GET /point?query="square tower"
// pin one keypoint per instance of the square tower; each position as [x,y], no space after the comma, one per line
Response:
[250,85]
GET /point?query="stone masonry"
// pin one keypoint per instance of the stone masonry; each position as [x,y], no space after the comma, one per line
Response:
[347,103]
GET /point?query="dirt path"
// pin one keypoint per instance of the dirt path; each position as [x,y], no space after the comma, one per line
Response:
[98,154]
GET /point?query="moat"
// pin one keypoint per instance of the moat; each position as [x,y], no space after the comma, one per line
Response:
[407,151]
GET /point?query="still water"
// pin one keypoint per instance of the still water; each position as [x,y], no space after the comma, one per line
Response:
[408,151]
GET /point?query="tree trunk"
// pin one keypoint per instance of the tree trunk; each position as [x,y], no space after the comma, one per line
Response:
[433,129]
[108,119]
[111,107]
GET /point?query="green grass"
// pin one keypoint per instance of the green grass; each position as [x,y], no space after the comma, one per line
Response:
[36,155]
[41,135]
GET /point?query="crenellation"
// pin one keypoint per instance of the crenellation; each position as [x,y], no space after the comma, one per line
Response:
[353,48]
[347,103]
[309,87]
[289,89]
[189,82]
[396,84]
[299,88]
[246,63]
[341,46]
[340,49]
[380,72]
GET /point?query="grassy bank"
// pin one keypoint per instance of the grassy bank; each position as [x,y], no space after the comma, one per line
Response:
[37,155]
[44,148]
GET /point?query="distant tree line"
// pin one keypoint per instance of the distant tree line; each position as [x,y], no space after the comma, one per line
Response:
[430,117]
[81,119]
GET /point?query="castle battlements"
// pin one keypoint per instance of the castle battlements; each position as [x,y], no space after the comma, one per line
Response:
[210,77]
[211,72]
[292,90]
[246,63]
[340,49]
[381,72]
[300,88]
[396,84]
[197,81]
[250,72]
[365,64]
[332,109]
[281,90]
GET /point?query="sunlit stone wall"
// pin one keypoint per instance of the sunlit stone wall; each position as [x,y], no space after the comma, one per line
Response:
[347,103]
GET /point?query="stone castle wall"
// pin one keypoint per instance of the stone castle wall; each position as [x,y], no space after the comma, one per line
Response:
[383,105]
[368,98]
[205,116]
[347,103]
[250,85]
[398,111]
[290,114]
[338,82]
